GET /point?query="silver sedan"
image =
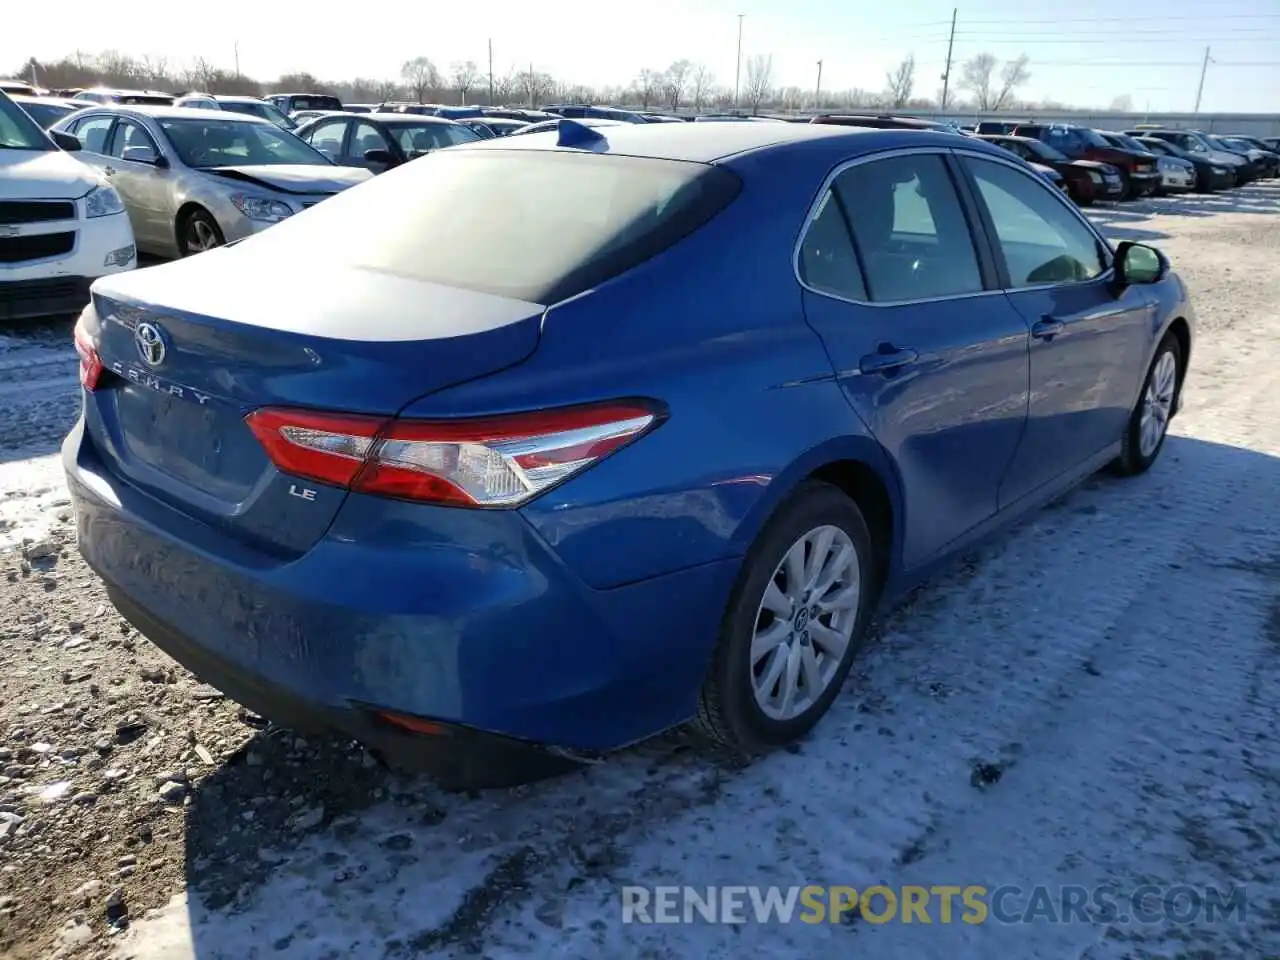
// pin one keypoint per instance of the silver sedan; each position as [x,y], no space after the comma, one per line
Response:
[196,179]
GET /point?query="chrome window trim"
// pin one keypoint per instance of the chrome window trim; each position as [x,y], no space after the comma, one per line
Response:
[941,151]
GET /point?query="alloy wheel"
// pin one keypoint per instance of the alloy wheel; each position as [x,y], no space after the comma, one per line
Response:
[1157,403]
[201,235]
[805,622]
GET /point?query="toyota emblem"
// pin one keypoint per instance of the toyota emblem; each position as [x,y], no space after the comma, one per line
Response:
[150,343]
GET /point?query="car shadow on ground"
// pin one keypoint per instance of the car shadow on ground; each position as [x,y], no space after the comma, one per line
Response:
[307,848]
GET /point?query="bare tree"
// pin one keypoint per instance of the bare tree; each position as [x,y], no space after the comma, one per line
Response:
[299,82]
[465,75]
[701,84]
[1122,104]
[647,84]
[200,75]
[901,80]
[421,75]
[384,90]
[759,80]
[1012,75]
[976,77]
[675,81]
[506,86]
[535,85]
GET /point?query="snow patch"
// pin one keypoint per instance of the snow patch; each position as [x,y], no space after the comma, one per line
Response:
[33,499]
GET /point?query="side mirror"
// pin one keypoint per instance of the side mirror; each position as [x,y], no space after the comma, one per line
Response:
[1138,263]
[66,141]
[161,162]
[379,156]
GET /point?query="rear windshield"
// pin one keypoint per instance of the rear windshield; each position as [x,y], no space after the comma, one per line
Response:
[530,225]
[315,103]
[144,100]
[46,114]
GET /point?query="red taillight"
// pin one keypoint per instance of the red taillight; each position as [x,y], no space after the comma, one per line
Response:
[90,362]
[485,462]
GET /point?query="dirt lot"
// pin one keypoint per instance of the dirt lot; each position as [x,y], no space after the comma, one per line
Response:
[1092,700]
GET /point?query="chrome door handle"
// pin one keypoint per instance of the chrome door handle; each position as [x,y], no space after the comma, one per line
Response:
[887,359]
[1047,329]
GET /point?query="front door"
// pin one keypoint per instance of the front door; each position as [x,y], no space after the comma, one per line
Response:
[930,354]
[1089,340]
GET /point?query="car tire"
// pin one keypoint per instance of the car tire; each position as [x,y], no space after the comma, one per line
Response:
[759,640]
[1126,192]
[198,232]
[1155,407]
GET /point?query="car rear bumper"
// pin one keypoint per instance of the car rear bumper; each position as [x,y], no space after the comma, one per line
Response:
[468,618]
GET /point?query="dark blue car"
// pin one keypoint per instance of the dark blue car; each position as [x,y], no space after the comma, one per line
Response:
[645,436]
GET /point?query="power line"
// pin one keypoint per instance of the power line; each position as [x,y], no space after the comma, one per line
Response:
[1144,18]
[977,37]
[1128,33]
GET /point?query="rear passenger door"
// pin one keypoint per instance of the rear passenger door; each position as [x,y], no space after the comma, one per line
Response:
[899,284]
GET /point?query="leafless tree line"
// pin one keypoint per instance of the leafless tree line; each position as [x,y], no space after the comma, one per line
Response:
[684,85]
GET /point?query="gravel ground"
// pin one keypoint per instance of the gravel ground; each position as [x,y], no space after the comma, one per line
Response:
[1093,698]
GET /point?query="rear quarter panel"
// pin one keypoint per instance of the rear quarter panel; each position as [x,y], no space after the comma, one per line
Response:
[713,327]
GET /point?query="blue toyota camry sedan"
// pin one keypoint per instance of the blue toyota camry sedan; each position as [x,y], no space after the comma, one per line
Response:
[588,433]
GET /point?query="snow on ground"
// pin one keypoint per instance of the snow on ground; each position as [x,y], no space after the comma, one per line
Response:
[1089,701]
[38,401]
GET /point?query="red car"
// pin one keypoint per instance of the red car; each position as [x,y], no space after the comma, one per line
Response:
[1087,180]
[1138,172]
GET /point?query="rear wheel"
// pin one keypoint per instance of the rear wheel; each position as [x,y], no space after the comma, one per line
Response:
[1126,191]
[794,622]
[1149,423]
[198,232]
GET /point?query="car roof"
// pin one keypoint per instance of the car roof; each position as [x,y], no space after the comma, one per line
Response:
[709,142]
[174,113]
[416,119]
[223,98]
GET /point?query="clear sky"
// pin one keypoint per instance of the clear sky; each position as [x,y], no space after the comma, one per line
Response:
[1085,52]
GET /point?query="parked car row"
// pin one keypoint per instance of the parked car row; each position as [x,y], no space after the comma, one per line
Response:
[1148,158]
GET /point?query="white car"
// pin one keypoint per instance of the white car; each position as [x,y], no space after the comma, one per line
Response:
[61,224]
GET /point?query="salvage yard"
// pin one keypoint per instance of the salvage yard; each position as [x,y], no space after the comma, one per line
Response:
[1091,700]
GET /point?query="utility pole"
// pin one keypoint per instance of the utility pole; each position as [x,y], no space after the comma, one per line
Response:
[737,77]
[531,103]
[491,103]
[817,89]
[1203,69]
[237,58]
[946,74]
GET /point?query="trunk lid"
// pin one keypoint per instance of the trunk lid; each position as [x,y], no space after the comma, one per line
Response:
[193,347]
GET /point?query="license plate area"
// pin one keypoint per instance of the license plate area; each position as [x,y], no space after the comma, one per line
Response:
[204,445]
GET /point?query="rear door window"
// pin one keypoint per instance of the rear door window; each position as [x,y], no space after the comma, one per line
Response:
[827,261]
[910,229]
